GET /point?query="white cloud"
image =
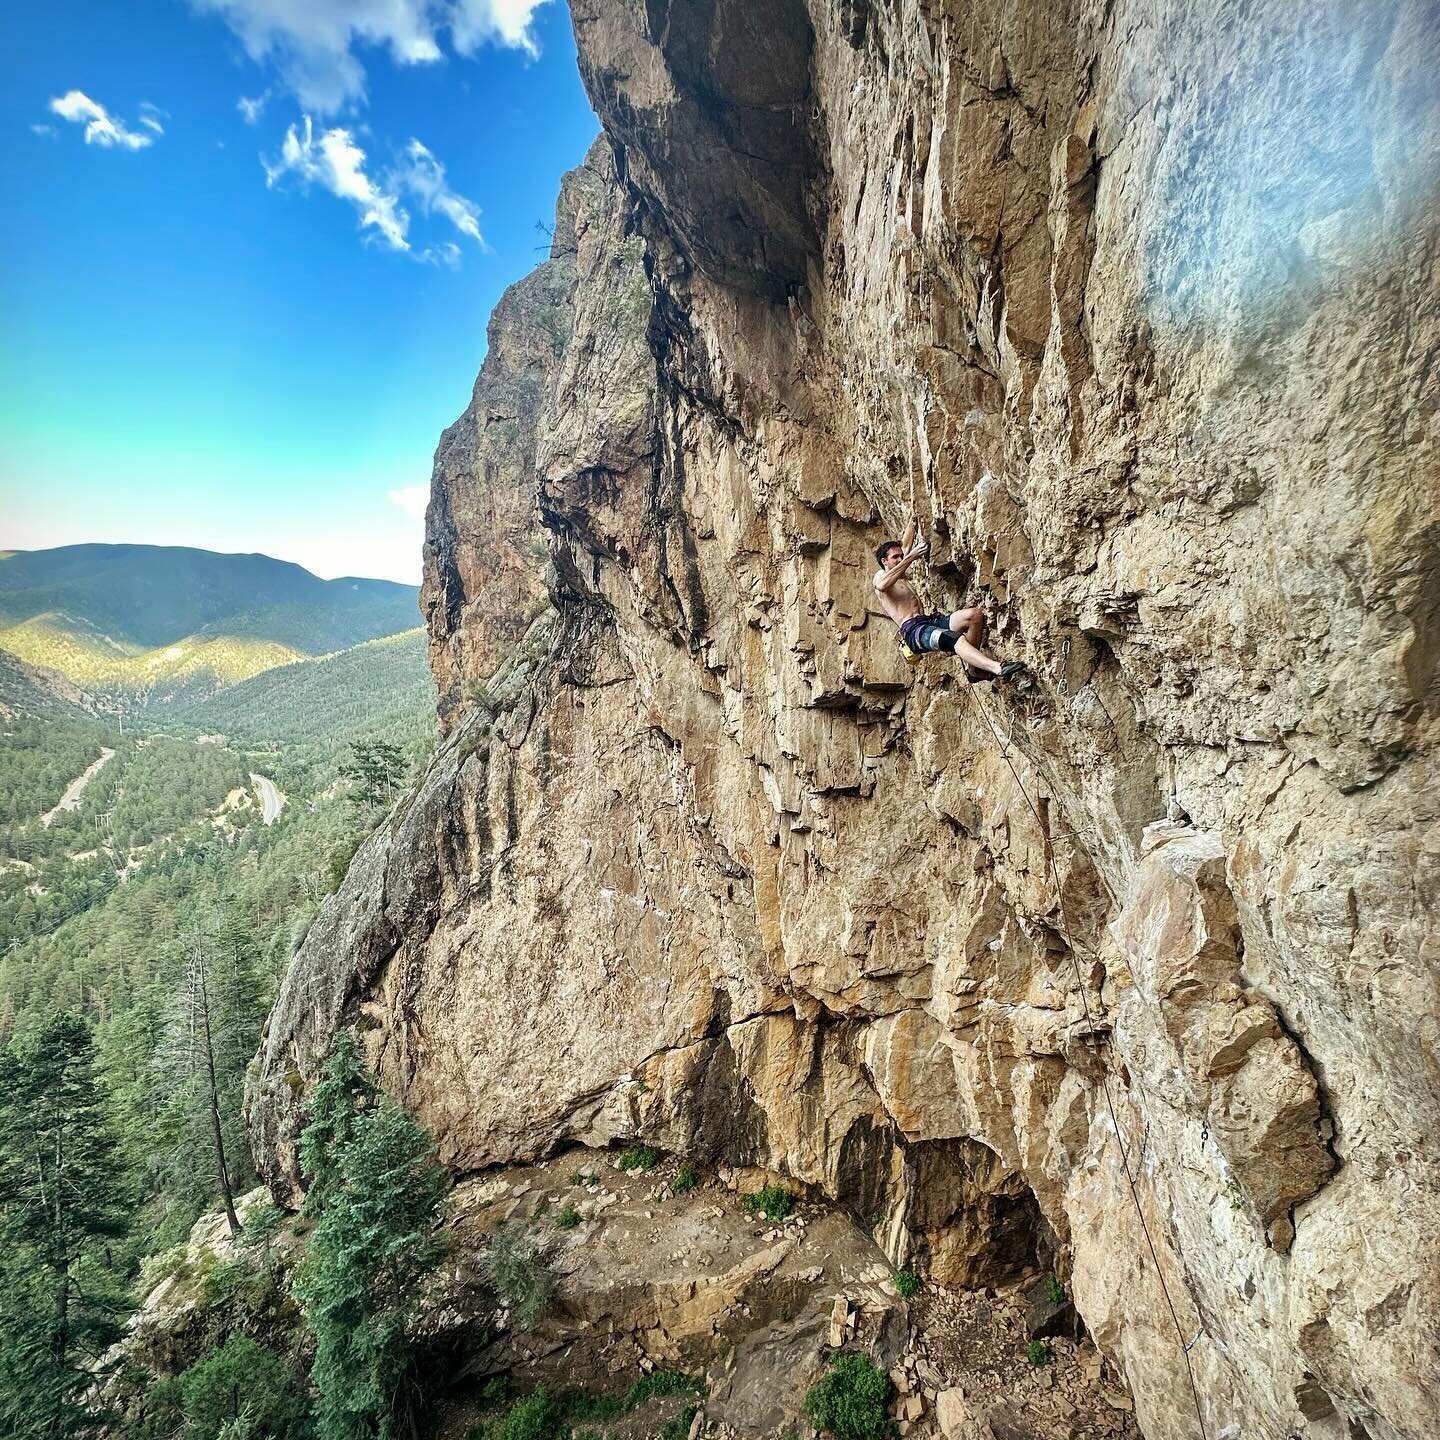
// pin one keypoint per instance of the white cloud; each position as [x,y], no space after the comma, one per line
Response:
[101,128]
[474,22]
[49,130]
[333,160]
[424,177]
[445,253]
[312,44]
[412,499]
[337,163]
[252,107]
[150,116]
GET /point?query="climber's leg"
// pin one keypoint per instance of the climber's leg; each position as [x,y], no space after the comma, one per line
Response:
[976,659]
[967,629]
[970,623]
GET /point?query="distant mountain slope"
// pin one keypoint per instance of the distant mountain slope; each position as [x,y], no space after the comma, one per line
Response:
[43,694]
[147,596]
[360,691]
[141,625]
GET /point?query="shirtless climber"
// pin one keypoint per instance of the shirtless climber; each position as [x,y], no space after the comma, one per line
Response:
[957,633]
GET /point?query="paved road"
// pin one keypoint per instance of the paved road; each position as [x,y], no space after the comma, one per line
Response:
[70,800]
[272,802]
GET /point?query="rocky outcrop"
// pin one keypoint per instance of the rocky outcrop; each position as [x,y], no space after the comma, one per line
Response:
[1134,308]
[484,558]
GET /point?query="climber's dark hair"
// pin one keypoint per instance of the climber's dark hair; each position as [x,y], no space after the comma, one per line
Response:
[881,551]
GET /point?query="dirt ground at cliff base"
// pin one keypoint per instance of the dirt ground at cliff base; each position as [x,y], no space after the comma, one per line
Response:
[647,1279]
[971,1366]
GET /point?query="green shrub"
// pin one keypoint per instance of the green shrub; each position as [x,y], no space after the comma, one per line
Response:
[850,1402]
[155,1268]
[520,1281]
[660,1382]
[542,1416]
[772,1203]
[1054,1290]
[639,1158]
[679,1427]
[584,1177]
[537,1417]
[581,1407]
[241,1382]
[478,694]
[1039,1353]
[568,1218]
[344,1092]
[337,863]
[495,1391]
[225,1283]
[163,1413]
[686,1179]
[907,1283]
[262,1226]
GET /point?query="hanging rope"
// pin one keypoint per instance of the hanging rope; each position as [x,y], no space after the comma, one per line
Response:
[1004,749]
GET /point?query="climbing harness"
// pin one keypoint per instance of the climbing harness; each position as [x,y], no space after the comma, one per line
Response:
[1105,1074]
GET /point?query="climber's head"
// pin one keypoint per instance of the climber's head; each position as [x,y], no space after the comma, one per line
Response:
[889,554]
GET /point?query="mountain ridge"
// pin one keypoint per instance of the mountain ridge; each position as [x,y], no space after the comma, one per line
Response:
[142,625]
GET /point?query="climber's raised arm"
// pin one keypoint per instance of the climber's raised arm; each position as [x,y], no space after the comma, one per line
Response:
[896,557]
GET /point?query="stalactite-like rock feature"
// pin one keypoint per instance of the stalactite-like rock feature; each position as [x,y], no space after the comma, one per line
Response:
[1135,308]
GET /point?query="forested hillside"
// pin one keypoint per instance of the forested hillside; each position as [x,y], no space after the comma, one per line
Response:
[303,714]
[147,912]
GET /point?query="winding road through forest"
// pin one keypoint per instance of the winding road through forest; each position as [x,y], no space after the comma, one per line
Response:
[70,800]
[272,801]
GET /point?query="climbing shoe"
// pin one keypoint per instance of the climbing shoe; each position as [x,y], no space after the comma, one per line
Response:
[1011,671]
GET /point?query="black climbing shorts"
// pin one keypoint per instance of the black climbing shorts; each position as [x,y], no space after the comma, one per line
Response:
[923,632]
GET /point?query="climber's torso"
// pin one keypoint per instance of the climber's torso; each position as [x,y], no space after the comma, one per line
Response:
[900,601]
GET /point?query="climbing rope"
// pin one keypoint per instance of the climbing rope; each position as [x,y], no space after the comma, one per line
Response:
[1004,749]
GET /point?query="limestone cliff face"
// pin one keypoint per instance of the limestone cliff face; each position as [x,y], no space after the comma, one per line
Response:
[1135,308]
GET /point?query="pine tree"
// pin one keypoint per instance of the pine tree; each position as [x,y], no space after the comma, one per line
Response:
[343,1091]
[380,1192]
[242,1388]
[60,1201]
[127,1047]
[376,769]
[216,1017]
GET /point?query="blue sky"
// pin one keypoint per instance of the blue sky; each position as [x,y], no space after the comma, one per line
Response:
[248,336]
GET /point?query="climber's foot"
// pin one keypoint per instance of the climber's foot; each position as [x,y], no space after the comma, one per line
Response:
[978,677]
[1011,671]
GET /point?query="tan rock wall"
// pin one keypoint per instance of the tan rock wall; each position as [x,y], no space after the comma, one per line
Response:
[1135,307]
